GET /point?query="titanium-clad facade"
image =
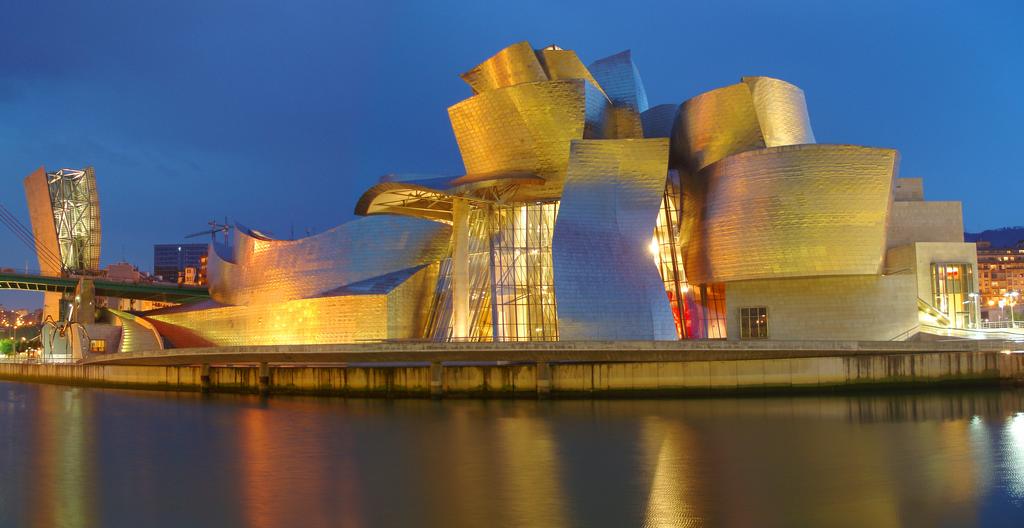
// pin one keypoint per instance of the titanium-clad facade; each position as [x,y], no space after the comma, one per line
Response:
[795,211]
[527,128]
[609,209]
[262,270]
[586,213]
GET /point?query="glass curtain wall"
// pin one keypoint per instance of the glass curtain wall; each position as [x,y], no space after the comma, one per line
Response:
[440,321]
[698,310]
[512,292]
[668,257]
[952,284]
[524,284]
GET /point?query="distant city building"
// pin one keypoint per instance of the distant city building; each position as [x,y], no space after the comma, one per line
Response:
[1000,273]
[170,261]
[123,271]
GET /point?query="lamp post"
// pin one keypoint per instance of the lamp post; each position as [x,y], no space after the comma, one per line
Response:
[1012,302]
[975,313]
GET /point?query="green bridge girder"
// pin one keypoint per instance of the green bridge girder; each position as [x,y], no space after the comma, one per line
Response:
[105,287]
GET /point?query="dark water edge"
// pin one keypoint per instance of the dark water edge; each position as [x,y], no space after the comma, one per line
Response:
[102,457]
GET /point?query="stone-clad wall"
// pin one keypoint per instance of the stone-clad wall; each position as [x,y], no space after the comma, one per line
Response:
[865,307]
[595,378]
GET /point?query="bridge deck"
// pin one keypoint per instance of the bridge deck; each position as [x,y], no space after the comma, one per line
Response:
[105,287]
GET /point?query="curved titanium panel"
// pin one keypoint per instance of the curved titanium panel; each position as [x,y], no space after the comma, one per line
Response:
[756,113]
[606,283]
[399,313]
[267,271]
[565,64]
[781,110]
[618,77]
[793,211]
[513,65]
[716,124]
[527,128]
[658,120]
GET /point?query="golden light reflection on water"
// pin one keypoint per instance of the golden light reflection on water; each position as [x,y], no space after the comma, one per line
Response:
[63,469]
[531,480]
[284,477]
[669,448]
[886,460]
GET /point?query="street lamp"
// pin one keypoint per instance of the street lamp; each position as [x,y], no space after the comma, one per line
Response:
[1011,299]
[975,309]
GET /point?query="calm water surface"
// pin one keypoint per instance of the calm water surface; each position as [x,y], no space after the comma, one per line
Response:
[90,457]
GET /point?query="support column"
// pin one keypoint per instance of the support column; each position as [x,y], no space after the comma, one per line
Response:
[460,269]
[264,379]
[436,380]
[204,378]
[85,302]
[543,379]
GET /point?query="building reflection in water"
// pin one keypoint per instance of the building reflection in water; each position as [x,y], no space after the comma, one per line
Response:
[85,457]
[61,481]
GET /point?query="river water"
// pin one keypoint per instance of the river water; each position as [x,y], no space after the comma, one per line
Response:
[92,457]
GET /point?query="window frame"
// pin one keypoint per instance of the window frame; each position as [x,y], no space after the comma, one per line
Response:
[749,328]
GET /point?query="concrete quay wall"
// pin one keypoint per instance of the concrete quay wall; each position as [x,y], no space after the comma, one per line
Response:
[548,378]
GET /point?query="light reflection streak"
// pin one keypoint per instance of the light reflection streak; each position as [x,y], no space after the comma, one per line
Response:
[61,488]
[669,448]
[532,488]
[1013,445]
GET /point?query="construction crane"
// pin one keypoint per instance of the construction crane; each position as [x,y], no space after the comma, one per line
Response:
[215,227]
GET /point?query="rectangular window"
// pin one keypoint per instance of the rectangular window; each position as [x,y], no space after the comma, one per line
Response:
[754,323]
[97,346]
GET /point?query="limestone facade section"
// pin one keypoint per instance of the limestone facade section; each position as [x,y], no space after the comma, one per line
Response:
[40,213]
[862,307]
[920,221]
[917,258]
[909,190]
[606,281]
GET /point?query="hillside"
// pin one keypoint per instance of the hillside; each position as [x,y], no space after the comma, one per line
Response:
[1001,237]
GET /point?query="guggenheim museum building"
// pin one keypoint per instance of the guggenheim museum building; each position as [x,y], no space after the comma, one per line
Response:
[586,213]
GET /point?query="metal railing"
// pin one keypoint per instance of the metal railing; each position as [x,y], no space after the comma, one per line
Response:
[1002,324]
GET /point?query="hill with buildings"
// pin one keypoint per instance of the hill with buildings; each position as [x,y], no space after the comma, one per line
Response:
[1000,237]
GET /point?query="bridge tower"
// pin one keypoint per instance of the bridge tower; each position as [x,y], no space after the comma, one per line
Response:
[65,214]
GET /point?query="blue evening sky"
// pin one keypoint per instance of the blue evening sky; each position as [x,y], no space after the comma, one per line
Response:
[279,113]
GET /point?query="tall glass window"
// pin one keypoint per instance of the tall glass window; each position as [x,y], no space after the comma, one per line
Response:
[952,284]
[523,276]
[512,292]
[668,256]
